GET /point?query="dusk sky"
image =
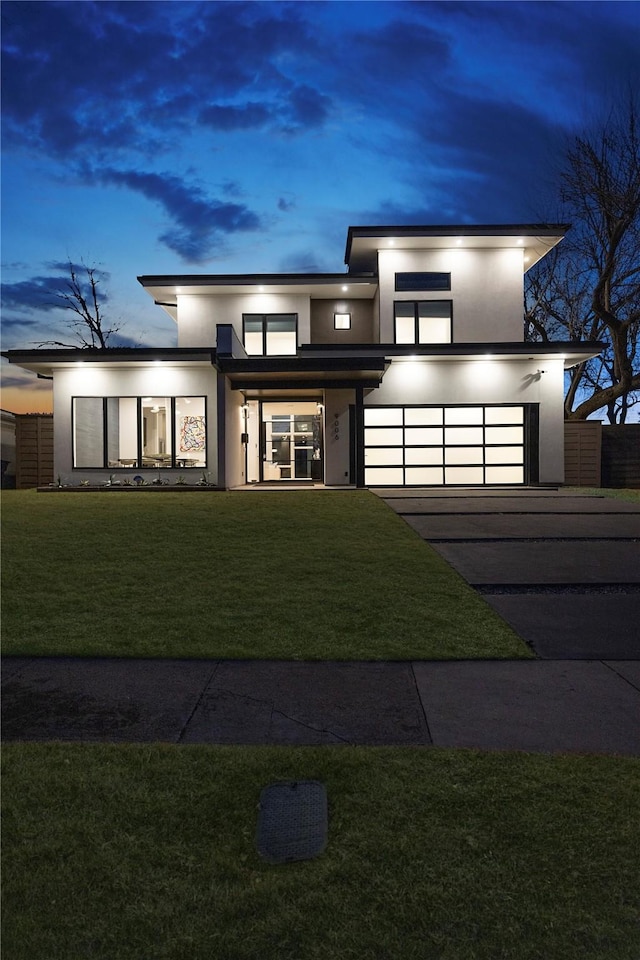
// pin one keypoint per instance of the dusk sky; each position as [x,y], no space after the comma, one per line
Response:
[233,137]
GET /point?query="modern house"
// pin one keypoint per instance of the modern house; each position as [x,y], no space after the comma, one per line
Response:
[409,369]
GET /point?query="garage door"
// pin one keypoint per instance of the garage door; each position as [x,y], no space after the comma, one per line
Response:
[436,446]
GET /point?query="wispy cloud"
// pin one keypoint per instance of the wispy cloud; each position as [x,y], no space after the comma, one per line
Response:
[200,223]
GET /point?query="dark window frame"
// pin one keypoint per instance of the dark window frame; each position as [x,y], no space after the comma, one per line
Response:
[412,282]
[343,313]
[173,465]
[416,320]
[264,318]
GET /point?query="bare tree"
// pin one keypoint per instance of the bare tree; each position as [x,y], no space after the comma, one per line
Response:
[590,288]
[82,299]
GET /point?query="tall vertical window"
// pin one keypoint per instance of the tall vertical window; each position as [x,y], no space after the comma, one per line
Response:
[270,335]
[422,321]
[139,432]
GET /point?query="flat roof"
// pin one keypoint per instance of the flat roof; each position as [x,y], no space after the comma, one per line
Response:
[535,239]
[165,289]
[44,361]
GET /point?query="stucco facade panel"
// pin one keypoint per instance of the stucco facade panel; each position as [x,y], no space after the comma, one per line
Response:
[486,290]
[198,315]
[160,380]
[322,323]
[481,382]
[337,440]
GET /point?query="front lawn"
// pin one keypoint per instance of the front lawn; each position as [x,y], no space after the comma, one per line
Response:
[284,575]
[148,853]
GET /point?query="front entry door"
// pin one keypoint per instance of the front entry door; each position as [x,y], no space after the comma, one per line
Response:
[291,441]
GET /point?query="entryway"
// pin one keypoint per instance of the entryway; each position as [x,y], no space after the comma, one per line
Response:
[285,441]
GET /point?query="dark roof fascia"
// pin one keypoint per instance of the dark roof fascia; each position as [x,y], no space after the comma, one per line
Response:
[313,383]
[299,364]
[239,279]
[457,230]
[459,349]
[109,353]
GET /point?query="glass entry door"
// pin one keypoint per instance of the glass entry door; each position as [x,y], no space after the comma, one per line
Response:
[291,441]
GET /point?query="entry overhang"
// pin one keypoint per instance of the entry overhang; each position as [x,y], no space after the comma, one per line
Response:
[303,372]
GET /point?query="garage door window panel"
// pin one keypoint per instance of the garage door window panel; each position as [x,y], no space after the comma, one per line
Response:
[383,457]
[383,436]
[383,416]
[423,416]
[463,416]
[463,455]
[423,436]
[505,455]
[504,435]
[424,476]
[503,415]
[384,476]
[428,456]
[463,436]
[464,475]
[504,475]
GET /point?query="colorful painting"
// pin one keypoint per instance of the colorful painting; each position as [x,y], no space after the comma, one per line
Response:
[193,434]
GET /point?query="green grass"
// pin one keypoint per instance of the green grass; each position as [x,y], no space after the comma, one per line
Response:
[285,575]
[613,492]
[148,853]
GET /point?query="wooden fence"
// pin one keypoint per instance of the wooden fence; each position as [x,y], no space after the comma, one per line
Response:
[599,455]
[34,450]
[621,456]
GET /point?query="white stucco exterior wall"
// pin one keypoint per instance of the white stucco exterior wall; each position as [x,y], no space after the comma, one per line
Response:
[163,379]
[235,461]
[485,381]
[198,315]
[486,290]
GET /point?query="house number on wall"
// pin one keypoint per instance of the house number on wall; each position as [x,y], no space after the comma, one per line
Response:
[336,426]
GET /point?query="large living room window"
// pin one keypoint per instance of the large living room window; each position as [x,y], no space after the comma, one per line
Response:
[270,335]
[422,321]
[139,432]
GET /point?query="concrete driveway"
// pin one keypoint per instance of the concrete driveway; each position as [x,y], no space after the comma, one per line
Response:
[562,569]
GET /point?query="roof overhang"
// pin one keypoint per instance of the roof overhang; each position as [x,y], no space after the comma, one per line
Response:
[570,352]
[259,373]
[165,290]
[45,362]
[534,239]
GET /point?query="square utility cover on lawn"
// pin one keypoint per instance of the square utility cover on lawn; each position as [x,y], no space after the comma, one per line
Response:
[292,824]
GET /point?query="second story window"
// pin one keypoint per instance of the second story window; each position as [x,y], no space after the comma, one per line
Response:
[270,335]
[406,282]
[422,321]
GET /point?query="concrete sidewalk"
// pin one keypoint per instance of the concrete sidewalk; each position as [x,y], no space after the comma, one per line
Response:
[548,706]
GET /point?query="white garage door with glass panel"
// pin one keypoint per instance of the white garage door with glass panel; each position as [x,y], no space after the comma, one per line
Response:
[438,446]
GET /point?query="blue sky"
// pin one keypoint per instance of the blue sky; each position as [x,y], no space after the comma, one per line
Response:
[179,136]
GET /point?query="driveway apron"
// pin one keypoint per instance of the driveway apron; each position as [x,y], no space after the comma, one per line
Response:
[562,569]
